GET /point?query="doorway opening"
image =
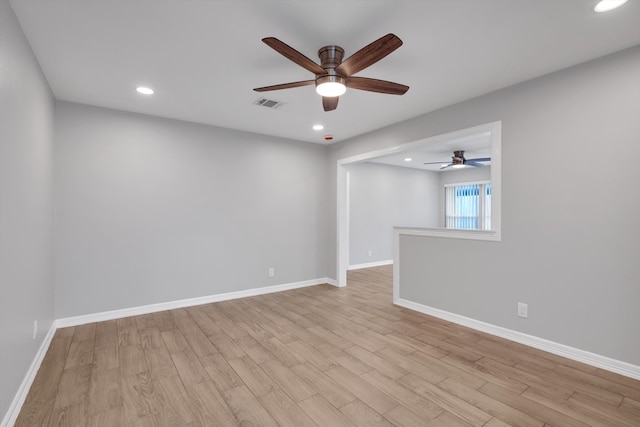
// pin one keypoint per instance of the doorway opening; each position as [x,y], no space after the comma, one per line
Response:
[484,138]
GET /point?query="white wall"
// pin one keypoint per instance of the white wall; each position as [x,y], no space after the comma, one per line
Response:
[468,174]
[381,197]
[26,206]
[570,233]
[153,210]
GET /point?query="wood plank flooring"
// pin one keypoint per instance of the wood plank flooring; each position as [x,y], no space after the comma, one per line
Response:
[317,356]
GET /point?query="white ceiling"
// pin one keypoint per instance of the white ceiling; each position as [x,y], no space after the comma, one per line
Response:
[475,146]
[204,57]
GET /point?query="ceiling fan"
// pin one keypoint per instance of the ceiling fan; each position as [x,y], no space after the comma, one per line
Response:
[333,75]
[458,161]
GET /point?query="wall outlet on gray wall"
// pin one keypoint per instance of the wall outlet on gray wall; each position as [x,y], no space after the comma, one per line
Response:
[523,310]
[35,329]
[272,272]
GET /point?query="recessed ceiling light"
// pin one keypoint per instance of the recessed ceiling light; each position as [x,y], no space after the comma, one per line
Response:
[144,90]
[318,127]
[407,159]
[607,5]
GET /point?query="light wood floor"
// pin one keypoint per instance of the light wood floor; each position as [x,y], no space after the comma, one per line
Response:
[315,356]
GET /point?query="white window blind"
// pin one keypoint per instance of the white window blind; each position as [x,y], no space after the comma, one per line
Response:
[468,206]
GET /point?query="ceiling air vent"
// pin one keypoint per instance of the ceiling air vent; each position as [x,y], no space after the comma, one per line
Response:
[269,103]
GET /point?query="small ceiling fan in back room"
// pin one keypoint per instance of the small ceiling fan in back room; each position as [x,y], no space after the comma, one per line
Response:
[458,161]
[333,76]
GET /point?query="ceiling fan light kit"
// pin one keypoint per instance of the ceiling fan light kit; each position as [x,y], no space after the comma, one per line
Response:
[330,85]
[333,76]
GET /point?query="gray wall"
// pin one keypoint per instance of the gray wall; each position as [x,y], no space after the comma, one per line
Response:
[468,174]
[151,210]
[381,197]
[570,233]
[26,206]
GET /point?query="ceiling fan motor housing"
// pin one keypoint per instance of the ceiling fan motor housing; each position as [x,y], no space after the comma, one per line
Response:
[330,58]
[458,158]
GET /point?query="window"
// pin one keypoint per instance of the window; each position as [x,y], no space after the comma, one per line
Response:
[468,206]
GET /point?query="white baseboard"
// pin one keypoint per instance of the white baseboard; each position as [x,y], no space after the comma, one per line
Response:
[153,308]
[332,282]
[14,409]
[370,264]
[613,365]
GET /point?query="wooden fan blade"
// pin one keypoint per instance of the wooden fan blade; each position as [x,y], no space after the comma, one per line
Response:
[369,55]
[293,55]
[437,163]
[285,86]
[330,103]
[446,167]
[375,85]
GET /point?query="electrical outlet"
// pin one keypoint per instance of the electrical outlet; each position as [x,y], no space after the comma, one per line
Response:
[272,272]
[370,252]
[523,310]
[35,329]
